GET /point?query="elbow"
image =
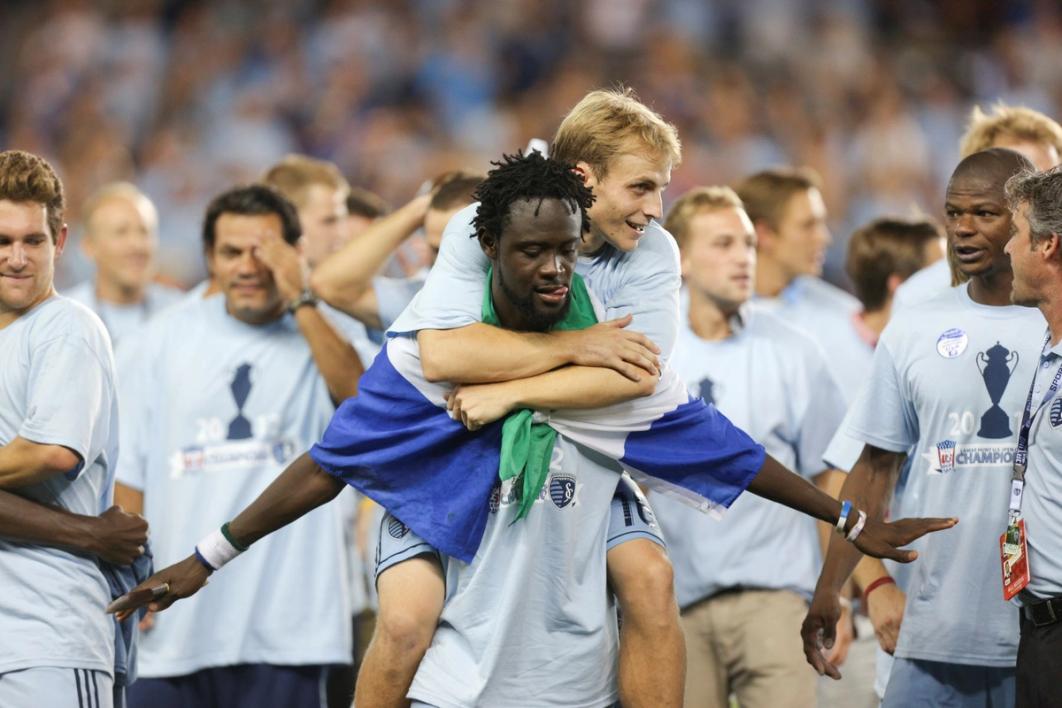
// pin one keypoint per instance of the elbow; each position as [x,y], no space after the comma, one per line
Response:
[431,362]
[59,460]
[646,385]
[322,285]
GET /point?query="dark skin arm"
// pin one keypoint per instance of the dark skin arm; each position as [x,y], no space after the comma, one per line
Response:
[114,536]
[300,488]
[869,486]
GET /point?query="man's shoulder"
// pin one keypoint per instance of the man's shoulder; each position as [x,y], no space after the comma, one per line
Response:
[656,253]
[82,292]
[822,295]
[63,316]
[924,285]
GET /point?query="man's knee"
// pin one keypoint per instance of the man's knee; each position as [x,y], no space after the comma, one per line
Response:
[404,631]
[411,599]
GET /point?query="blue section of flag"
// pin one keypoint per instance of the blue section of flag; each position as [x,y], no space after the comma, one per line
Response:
[697,449]
[407,454]
[404,452]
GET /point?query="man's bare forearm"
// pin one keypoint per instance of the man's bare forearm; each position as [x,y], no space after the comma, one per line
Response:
[579,387]
[344,277]
[480,353]
[776,483]
[869,487]
[29,522]
[300,488]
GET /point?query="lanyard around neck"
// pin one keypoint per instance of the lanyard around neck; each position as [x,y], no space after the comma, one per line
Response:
[1021,453]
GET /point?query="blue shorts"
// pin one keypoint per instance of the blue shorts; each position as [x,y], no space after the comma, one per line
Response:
[54,687]
[630,519]
[914,683]
[239,686]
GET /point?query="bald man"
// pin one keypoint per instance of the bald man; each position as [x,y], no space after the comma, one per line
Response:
[121,239]
[947,384]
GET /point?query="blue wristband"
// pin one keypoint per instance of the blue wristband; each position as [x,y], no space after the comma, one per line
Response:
[846,509]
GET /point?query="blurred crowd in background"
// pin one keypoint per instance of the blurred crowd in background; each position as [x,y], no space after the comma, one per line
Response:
[186,98]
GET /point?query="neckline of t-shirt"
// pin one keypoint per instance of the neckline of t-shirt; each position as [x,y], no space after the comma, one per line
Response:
[996,311]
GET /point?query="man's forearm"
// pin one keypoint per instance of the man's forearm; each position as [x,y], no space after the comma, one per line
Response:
[335,358]
[480,353]
[869,487]
[300,488]
[29,522]
[342,278]
[578,387]
[23,462]
[776,483]
[830,481]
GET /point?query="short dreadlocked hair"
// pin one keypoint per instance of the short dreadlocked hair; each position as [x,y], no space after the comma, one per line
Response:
[519,177]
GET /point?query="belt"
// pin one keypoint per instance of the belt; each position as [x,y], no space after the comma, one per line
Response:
[1044,613]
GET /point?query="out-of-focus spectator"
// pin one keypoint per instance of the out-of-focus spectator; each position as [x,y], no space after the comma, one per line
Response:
[121,240]
[319,192]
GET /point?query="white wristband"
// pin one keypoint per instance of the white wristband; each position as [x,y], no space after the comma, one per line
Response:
[216,550]
[858,528]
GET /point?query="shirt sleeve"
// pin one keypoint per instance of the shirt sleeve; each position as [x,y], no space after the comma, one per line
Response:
[69,390]
[883,414]
[134,420]
[452,295]
[648,290]
[821,417]
[393,295]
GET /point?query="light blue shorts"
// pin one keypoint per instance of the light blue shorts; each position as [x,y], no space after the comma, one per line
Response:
[630,518]
[55,687]
[914,683]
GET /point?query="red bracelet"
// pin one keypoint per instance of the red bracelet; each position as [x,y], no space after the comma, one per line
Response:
[883,580]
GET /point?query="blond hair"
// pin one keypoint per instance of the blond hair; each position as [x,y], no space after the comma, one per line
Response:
[605,123]
[295,174]
[1019,122]
[25,177]
[766,194]
[117,190]
[694,202]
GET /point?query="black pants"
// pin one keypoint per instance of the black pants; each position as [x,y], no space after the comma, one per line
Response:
[1039,676]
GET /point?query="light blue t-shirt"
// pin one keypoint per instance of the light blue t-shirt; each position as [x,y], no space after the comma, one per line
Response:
[57,387]
[120,320]
[213,409]
[949,382]
[529,623]
[1042,502]
[643,283]
[927,283]
[774,382]
[827,314]
[393,295]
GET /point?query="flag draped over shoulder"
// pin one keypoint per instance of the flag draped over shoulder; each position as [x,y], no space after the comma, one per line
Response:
[396,443]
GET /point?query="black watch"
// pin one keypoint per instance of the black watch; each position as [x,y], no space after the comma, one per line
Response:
[306,297]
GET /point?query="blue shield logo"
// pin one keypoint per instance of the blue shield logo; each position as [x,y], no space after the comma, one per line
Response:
[1056,413]
[562,489]
[396,528]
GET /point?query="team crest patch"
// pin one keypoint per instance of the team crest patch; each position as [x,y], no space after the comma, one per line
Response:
[952,343]
[495,499]
[1056,413]
[396,528]
[562,489]
[946,456]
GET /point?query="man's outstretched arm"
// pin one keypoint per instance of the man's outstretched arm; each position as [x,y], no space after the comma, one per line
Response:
[869,485]
[300,488]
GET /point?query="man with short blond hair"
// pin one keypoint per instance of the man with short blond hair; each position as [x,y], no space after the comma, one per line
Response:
[319,192]
[121,239]
[744,594]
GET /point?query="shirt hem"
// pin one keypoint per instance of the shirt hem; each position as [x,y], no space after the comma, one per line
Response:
[992,661]
[166,669]
[61,663]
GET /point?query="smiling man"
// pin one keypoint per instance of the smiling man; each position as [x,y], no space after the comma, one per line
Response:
[121,239]
[58,450]
[220,394]
[947,386]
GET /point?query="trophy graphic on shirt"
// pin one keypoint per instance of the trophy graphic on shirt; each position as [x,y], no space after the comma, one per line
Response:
[240,427]
[996,366]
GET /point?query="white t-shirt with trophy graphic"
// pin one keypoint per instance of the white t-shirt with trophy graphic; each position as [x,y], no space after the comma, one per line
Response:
[949,381]
[212,410]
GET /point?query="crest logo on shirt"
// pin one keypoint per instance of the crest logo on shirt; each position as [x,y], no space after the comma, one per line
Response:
[562,489]
[240,427]
[396,528]
[996,365]
[495,499]
[1056,413]
[952,343]
[946,456]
